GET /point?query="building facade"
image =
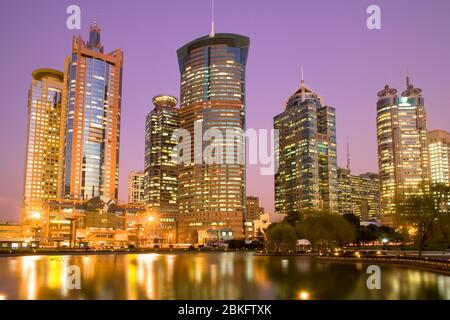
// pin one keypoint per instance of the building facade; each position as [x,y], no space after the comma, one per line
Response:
[91,127]
[254,210]
[43,140]
[136,187]
[161,171]
[439,148]
[402,147]
[344,191]
[359,195]
[212,191]
[307,176]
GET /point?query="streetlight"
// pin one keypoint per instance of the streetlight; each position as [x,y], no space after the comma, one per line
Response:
[151,219]
[303,295]
[35,215]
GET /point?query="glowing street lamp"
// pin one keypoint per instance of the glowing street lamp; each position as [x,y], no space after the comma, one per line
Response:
[36,215]
[303,295]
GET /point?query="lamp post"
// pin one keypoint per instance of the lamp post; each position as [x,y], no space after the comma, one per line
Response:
[150,220]
[71,219]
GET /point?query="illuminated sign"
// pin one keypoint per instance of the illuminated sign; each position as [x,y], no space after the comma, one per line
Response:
[404,102]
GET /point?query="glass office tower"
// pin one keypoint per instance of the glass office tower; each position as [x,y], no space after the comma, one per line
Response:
[161,171]
[439,148]
[92,112]
[402,147]
[307,176]
[43,139]
[212,194]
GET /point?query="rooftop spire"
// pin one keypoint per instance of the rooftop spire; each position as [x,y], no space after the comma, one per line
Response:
[94,37]
[348,156]
[302,80]
[212,34]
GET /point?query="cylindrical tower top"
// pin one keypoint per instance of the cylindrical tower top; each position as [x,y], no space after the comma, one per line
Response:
[42,73]
[164,100]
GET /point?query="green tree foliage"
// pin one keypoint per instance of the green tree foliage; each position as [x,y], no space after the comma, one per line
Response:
[293,217]
[325,230]
[281,238]
[372,232]
[424,212]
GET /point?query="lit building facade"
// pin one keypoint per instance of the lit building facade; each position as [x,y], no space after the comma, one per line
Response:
[101,222]
[43,140]
[136,187]
[91,126]
[307,176]
[439,148]
[254,210]
[161,171]
[212,193]
[402,147]
[359,195]
[344,191]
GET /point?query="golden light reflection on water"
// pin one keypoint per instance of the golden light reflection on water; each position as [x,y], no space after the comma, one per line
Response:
[208,276]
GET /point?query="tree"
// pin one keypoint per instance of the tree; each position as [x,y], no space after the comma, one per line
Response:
[293,217]
[352,219]
[260,237]
[421,212]
[324,229]
[281,237]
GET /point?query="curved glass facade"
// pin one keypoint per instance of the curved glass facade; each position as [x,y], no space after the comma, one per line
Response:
[43,138]
[212,196]
[402,147]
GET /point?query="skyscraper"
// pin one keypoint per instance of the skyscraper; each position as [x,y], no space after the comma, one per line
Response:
[307,176]
[254,210]
[43,138]
[161,171]
[136,187]
[91,113]
[402,147]
[439,148]
[212,194]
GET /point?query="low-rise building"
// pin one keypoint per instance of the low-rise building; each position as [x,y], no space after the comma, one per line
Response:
[359,195]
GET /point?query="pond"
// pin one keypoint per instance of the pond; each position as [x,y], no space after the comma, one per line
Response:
[207,275]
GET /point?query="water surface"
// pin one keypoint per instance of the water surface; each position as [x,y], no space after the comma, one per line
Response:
[215,275]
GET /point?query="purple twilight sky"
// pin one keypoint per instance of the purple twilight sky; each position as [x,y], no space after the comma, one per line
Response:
[343,61]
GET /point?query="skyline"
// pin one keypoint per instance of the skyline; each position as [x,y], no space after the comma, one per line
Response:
[263,90]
